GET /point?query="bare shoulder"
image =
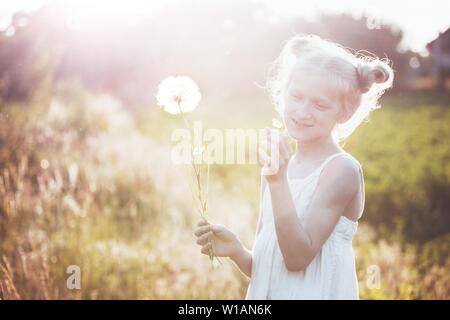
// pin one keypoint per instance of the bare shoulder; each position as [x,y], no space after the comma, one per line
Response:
[341,174]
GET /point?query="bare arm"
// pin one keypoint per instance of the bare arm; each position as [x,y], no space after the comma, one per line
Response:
[300,241]
[243,260]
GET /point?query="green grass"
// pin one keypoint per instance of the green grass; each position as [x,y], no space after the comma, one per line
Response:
[126,217]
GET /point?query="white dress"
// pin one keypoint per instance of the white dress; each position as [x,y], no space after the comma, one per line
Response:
[330,275]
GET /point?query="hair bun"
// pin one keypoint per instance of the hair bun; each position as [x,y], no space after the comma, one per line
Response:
[370,73]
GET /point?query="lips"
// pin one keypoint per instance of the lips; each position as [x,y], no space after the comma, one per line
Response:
[301,124]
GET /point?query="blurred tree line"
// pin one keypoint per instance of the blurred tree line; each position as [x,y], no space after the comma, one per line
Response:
[224,45]
[52,76]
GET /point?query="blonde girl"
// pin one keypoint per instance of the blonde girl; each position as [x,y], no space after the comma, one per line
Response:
[312,201]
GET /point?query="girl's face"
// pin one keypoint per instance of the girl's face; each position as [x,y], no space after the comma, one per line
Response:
[311,108]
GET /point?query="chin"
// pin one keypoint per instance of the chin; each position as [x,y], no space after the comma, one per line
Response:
[297,134]
[301,138]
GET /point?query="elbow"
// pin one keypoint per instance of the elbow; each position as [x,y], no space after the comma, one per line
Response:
[298,261]
[298,265]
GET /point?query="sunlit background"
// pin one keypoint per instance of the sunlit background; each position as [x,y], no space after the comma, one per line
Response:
[85,171]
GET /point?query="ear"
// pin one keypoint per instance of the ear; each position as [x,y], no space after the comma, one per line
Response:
[345,112]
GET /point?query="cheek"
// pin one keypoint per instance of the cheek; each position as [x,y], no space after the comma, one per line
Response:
[286,106]
[327,123]
[323,122]
[286,111]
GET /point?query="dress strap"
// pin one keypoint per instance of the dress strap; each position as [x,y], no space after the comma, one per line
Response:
[329,159]
[360,173]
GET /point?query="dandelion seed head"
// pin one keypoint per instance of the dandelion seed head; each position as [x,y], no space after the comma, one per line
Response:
[178,94]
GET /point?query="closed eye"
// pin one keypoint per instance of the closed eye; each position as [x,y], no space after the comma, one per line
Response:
[320,105]
[297,97]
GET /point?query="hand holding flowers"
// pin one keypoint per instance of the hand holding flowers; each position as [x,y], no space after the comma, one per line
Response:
[276,159]
[180,95]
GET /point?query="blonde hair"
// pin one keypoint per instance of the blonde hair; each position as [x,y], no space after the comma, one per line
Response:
[361,79]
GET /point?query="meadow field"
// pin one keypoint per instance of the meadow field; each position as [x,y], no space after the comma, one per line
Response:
[86,182]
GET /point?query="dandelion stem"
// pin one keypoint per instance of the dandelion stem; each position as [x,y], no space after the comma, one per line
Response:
[203,203]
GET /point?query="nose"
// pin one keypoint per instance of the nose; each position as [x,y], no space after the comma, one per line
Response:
[303,111]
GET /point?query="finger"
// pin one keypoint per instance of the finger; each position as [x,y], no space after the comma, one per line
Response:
[202,223]
[263,143]
[270,136]
[284,150]
[263,156]
[273,140]
[203,239]
[286,144]
[206,248]
[217,229]
[271,160]
[265,139]
[274,155]
[201,230]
